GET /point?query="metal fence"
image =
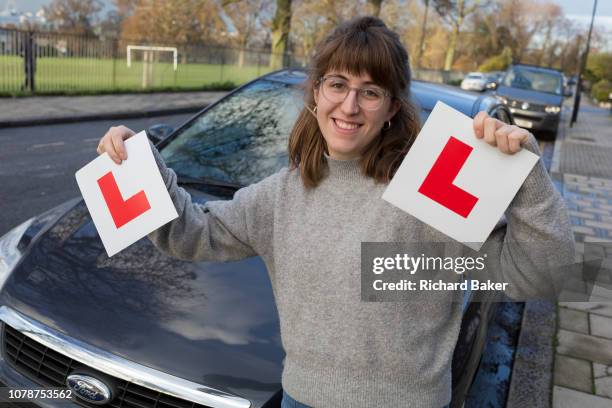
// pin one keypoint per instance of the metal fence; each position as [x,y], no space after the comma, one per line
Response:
[33,62]
[43,62]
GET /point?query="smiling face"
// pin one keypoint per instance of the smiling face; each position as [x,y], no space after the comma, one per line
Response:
[346,127]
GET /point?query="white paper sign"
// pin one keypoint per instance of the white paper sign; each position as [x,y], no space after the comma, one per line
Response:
[454,182]
[126,201]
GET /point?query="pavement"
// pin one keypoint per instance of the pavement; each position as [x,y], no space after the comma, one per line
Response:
[40,110]
[582,164]
[563,358]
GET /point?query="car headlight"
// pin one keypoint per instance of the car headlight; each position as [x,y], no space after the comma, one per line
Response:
[9,253]
[503,100]
[552,109]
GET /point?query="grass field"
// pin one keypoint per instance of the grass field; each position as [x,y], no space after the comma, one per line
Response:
[74,75]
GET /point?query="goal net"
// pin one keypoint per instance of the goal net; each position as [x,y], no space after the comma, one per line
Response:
[148,53]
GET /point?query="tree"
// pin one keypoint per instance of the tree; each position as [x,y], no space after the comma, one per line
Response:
[75,16]
[574,54]
[111,25]
[601,90]
[422,37]
[523,18]
[407,21]
[567,37]
[375,7]
[247,17]
[489,36]
[454,12]
[551,15]
[535,30]
[313,20]
[281,25]
[599,66]
[498,62]
[125,7]
[175,22]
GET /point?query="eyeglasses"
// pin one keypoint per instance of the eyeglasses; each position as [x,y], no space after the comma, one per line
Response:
[335,89]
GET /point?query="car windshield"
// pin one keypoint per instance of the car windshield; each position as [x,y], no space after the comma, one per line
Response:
[475,76]
[242,139]
[534,80]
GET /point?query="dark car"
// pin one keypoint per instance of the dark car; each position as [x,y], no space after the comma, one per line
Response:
[534,96]
[144,330]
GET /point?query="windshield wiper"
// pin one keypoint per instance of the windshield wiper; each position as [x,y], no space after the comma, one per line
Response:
[207,182]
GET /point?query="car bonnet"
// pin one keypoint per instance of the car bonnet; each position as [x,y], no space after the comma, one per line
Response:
[208,322]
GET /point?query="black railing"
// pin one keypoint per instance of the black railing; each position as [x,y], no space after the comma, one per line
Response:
[33,62]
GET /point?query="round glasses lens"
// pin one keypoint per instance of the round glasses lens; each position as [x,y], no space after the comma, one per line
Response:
[370,98]
[336,90]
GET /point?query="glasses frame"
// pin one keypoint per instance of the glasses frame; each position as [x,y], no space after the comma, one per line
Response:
[357,89]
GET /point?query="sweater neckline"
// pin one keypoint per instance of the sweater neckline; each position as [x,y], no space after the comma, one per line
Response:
[344,170]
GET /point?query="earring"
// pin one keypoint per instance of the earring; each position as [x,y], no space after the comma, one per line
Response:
[388,123]
[313,111]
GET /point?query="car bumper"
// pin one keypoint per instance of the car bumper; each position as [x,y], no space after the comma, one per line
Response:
[472,87]
[535,120]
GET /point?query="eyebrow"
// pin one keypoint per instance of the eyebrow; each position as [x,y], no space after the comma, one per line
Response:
[365,83]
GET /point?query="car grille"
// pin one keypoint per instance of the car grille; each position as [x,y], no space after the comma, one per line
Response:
[50,369]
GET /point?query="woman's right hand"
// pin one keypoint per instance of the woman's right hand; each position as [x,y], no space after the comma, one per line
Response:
[112,143]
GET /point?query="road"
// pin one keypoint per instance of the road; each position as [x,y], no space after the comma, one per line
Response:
[37,164]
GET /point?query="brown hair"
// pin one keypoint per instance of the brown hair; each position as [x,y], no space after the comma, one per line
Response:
[362,45]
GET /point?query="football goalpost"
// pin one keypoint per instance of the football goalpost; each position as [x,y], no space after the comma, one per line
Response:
[147,59]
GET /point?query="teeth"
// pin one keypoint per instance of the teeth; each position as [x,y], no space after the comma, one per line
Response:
[346,125]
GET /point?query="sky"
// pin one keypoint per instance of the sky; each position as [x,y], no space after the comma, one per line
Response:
[579,10]
[34,5]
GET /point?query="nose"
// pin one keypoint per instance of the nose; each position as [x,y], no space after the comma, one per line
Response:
[350,106]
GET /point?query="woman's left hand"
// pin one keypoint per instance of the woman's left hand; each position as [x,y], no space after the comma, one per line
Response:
[507,138]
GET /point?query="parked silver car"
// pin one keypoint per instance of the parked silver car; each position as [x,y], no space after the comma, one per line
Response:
[474,81]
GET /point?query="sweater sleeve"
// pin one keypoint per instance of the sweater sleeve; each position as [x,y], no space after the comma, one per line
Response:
[537,241]
[217,230]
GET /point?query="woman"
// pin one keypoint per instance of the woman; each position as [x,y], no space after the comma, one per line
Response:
[307,222]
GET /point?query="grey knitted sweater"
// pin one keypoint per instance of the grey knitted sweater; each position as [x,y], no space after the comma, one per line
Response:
[340,351]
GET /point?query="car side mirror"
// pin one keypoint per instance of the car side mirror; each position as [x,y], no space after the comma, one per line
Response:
[159,132]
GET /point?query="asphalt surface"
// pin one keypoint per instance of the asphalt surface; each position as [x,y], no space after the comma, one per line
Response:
[37,163]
